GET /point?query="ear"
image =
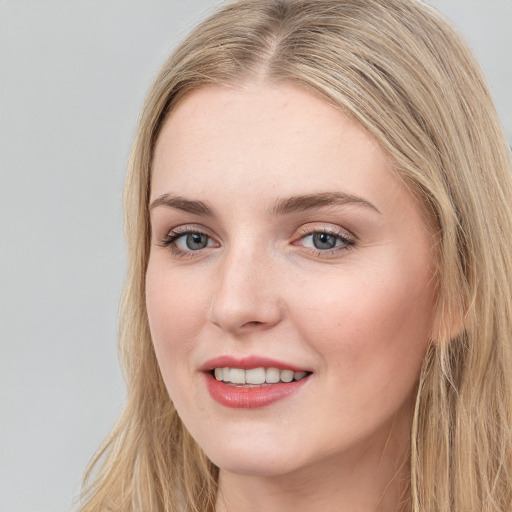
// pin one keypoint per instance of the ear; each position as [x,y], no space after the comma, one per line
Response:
[448,322]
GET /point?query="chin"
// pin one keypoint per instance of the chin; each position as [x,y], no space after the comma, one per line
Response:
[253,466]
[251,458]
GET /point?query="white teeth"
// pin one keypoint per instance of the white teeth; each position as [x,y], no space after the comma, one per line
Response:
[286,375]
[272,375]
[257,376]
[237,376]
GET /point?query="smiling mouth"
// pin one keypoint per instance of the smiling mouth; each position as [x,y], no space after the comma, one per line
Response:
[255,377]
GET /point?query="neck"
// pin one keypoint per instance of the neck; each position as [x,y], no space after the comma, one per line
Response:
[369,479]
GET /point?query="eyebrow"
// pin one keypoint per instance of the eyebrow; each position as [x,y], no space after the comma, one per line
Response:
[280,207]
[180,203]
[310,201]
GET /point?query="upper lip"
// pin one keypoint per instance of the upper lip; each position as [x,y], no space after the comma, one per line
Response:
[247,363]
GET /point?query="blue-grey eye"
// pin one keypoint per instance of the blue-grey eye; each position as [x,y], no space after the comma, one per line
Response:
[187,242]
[195,241]
[324,241]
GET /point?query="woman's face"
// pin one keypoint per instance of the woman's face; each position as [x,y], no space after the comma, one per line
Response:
[283,247]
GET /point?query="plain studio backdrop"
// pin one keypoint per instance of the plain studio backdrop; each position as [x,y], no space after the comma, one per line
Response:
[73,75]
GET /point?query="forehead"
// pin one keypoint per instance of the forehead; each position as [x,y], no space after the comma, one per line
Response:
[261,134]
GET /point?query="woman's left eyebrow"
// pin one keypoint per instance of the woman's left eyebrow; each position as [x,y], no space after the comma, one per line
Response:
[180,203]
[309,201]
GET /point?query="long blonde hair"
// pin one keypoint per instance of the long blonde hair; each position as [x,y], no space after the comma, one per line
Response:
[401,71]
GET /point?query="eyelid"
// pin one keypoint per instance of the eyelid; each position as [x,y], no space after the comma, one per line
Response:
[190,228]
[172,235]
[349,240]
[325,227]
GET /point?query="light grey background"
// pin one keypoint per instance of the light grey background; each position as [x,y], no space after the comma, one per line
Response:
[73,74]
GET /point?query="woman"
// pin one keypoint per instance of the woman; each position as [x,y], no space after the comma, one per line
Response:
[317,312]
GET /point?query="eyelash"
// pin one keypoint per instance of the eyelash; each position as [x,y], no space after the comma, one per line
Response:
[170,239]
[347,242]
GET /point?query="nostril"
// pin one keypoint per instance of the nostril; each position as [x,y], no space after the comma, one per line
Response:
[240,311]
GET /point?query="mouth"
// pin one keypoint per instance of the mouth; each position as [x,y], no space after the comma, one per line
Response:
[253,381]
[255,377]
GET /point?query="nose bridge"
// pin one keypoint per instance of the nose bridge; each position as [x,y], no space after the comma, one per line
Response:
[246,295]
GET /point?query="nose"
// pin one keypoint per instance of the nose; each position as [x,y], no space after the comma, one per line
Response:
[247,295]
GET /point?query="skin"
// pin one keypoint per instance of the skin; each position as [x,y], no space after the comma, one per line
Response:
[359,316]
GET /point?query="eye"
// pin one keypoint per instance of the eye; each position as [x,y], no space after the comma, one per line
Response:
[192,241]
[325,241]
[185,241]
[322,241]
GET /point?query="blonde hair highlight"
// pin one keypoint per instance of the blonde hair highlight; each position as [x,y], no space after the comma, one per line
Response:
[401,71]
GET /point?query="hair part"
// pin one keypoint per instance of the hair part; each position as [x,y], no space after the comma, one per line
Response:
[404,74]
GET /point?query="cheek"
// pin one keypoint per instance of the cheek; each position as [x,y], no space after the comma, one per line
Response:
[175,309]
[371,325]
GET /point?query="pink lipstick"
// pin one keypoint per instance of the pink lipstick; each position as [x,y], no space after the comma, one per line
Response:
[252,381]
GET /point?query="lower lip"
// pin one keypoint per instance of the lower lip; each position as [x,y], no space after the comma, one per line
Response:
[239,397]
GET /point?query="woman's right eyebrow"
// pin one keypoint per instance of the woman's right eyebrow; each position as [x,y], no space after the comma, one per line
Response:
[180,203]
